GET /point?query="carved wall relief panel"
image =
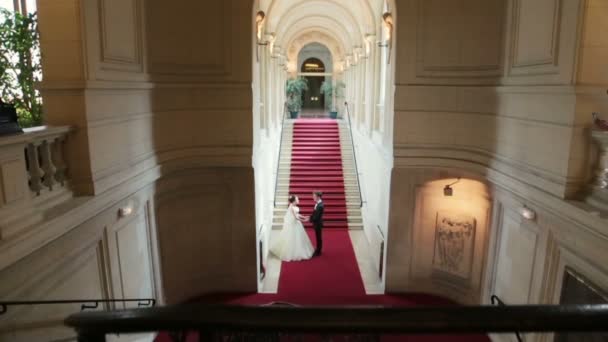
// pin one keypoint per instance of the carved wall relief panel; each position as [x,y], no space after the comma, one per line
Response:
[454,244]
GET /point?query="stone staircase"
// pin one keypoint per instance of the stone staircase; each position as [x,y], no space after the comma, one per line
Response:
[351,187]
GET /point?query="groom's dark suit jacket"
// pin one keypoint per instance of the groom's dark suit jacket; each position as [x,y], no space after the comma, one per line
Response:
[317,215]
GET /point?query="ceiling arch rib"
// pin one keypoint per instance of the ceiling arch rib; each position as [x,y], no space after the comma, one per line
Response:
[324,32]
[300,37]
[306,38]
[315,36]
[359,12]
[321,25]
[341,30]
[317,8]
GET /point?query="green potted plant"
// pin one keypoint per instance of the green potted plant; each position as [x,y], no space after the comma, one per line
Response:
[294,89]
[20,67]
[329,90]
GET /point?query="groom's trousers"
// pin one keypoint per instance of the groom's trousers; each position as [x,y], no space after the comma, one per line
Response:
[318,230]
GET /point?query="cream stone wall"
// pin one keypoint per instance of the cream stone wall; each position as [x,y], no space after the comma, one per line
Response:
[106,256]
[514,115]
[161,121]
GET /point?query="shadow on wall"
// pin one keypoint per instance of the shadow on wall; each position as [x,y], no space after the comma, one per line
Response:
[201,127]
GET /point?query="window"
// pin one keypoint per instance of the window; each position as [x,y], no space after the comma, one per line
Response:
[23,6]
[20,67]
[313,65]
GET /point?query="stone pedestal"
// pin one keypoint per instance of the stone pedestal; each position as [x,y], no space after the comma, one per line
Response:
[598,189]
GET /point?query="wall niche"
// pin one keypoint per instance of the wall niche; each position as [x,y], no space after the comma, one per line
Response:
[450,235]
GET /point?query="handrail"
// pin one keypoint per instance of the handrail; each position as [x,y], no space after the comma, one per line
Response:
[381,259]
[276,184]
[380,230]
[95,303]
[225,319]
[352,141]
[33,134]
[497,301]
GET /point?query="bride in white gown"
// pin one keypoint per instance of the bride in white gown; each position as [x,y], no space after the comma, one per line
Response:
[293,243]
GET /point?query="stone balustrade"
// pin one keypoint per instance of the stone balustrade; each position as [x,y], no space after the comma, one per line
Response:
[45,162]
[33,175]
[598,194]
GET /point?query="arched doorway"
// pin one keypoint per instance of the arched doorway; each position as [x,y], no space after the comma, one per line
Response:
[313,99]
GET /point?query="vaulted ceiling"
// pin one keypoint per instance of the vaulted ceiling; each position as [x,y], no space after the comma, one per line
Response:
[343,26]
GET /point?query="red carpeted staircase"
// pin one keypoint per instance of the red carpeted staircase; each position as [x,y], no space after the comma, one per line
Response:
[316,164]
[333,278]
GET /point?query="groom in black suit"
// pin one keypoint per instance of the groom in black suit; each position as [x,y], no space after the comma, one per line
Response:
[317,220]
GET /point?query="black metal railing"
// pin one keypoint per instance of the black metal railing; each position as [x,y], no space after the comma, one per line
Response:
[497,301]
[276,184]
[84,303]
[215,322]
[381,262]
[352,141]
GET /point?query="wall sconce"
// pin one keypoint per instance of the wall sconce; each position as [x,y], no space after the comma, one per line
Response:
[260,18]
[388,24]
[527,213]
[448,191]
[125,211]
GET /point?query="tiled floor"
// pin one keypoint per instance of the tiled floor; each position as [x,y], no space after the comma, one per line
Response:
[369,274]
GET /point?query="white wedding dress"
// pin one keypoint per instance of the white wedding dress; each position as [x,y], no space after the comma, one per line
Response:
[292,244]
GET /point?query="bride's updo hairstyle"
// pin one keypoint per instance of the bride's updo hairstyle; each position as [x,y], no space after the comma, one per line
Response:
[292,199]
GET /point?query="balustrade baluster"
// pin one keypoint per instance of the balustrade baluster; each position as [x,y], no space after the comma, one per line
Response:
[58,160]
[47,165]
[35,172]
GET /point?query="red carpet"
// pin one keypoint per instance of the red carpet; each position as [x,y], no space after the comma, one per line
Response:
[334,277]
[316,164]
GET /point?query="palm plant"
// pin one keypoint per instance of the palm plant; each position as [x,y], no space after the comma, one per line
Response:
[294,89]
[328,89]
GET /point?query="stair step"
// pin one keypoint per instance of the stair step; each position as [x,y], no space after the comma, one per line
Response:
[318,174]
[314,144]
[317,151]
[313,168]
[352,207]
[309,190]
[326,224]
[309,178]
[307,210]
[337,156]
[340,225]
